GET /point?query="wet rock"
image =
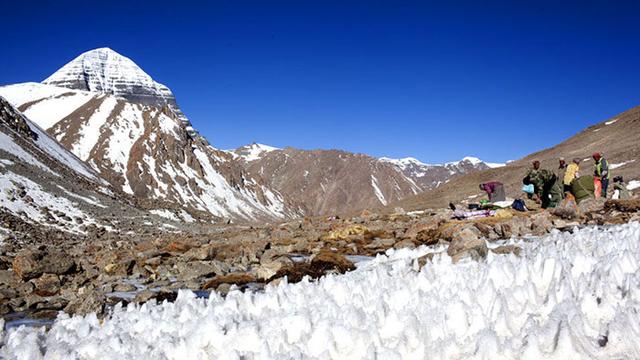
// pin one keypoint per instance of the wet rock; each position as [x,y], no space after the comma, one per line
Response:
[327,260]
[232,278]
[124,287]
[507,249]
[47,285]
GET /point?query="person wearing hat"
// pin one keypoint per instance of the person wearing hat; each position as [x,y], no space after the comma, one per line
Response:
[571,174]
[601,171]
[547,189]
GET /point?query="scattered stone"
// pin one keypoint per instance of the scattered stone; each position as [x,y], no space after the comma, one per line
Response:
[232,278]
[90,302]
[507,249]
[47,285]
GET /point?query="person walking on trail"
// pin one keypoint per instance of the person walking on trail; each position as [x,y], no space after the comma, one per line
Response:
[570,174]
[495,190]
[601,172]
[547,189]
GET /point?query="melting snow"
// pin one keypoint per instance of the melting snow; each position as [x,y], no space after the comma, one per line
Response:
[633,184]
[615,166]
[611,121]
[559,299]
[165,214]
[376,189]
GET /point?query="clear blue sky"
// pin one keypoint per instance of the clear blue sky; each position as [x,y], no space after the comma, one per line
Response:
[497,80]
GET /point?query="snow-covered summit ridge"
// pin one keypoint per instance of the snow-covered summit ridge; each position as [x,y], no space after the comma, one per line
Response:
[253,151]
[411,161]
[105,71]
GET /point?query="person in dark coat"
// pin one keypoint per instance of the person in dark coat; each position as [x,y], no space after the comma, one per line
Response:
[495,190]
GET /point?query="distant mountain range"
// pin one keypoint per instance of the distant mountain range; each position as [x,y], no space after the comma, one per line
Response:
[129,129]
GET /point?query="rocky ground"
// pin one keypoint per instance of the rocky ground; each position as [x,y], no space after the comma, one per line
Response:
[82,274]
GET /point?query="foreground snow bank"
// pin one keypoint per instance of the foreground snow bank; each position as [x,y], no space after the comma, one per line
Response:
[567,296]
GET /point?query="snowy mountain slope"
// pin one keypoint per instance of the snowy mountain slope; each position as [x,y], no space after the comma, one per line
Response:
[567,296]
[128,128]
[331,181]
[42,182]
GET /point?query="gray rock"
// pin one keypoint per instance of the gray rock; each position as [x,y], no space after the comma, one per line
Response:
[467,244]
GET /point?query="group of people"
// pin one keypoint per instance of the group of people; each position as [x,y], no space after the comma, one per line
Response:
[548,188]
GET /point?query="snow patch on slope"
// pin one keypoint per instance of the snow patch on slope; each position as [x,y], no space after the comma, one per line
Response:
[41,199]
[377,191]
[90,132]
[254,151]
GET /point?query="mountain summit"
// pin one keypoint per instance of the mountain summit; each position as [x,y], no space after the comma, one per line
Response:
[105,71]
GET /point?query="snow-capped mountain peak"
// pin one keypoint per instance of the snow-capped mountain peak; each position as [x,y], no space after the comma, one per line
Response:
[405,162]
[253,151]
[105,71]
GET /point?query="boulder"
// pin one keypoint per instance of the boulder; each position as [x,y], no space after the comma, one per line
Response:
[541,223]
[590,205]
[624,205]
[199,269]
[407,243]
[380,244]
[231,278]
[328,260]
[177,247]
[8,278]
[91,302]
[47,285]
[29,264]
[467,244]
[507,249]
[203,253]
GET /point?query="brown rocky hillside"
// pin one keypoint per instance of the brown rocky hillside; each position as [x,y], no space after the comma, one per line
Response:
[618,138]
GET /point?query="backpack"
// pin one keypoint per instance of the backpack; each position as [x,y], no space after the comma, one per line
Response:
[518,204]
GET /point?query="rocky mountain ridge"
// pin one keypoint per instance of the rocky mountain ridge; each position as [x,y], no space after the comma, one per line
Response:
[327,182]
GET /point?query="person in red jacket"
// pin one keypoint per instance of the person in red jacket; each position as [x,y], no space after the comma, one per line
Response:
[495,190]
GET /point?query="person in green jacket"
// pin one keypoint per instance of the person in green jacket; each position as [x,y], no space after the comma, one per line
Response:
[547,189]
[602,171]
